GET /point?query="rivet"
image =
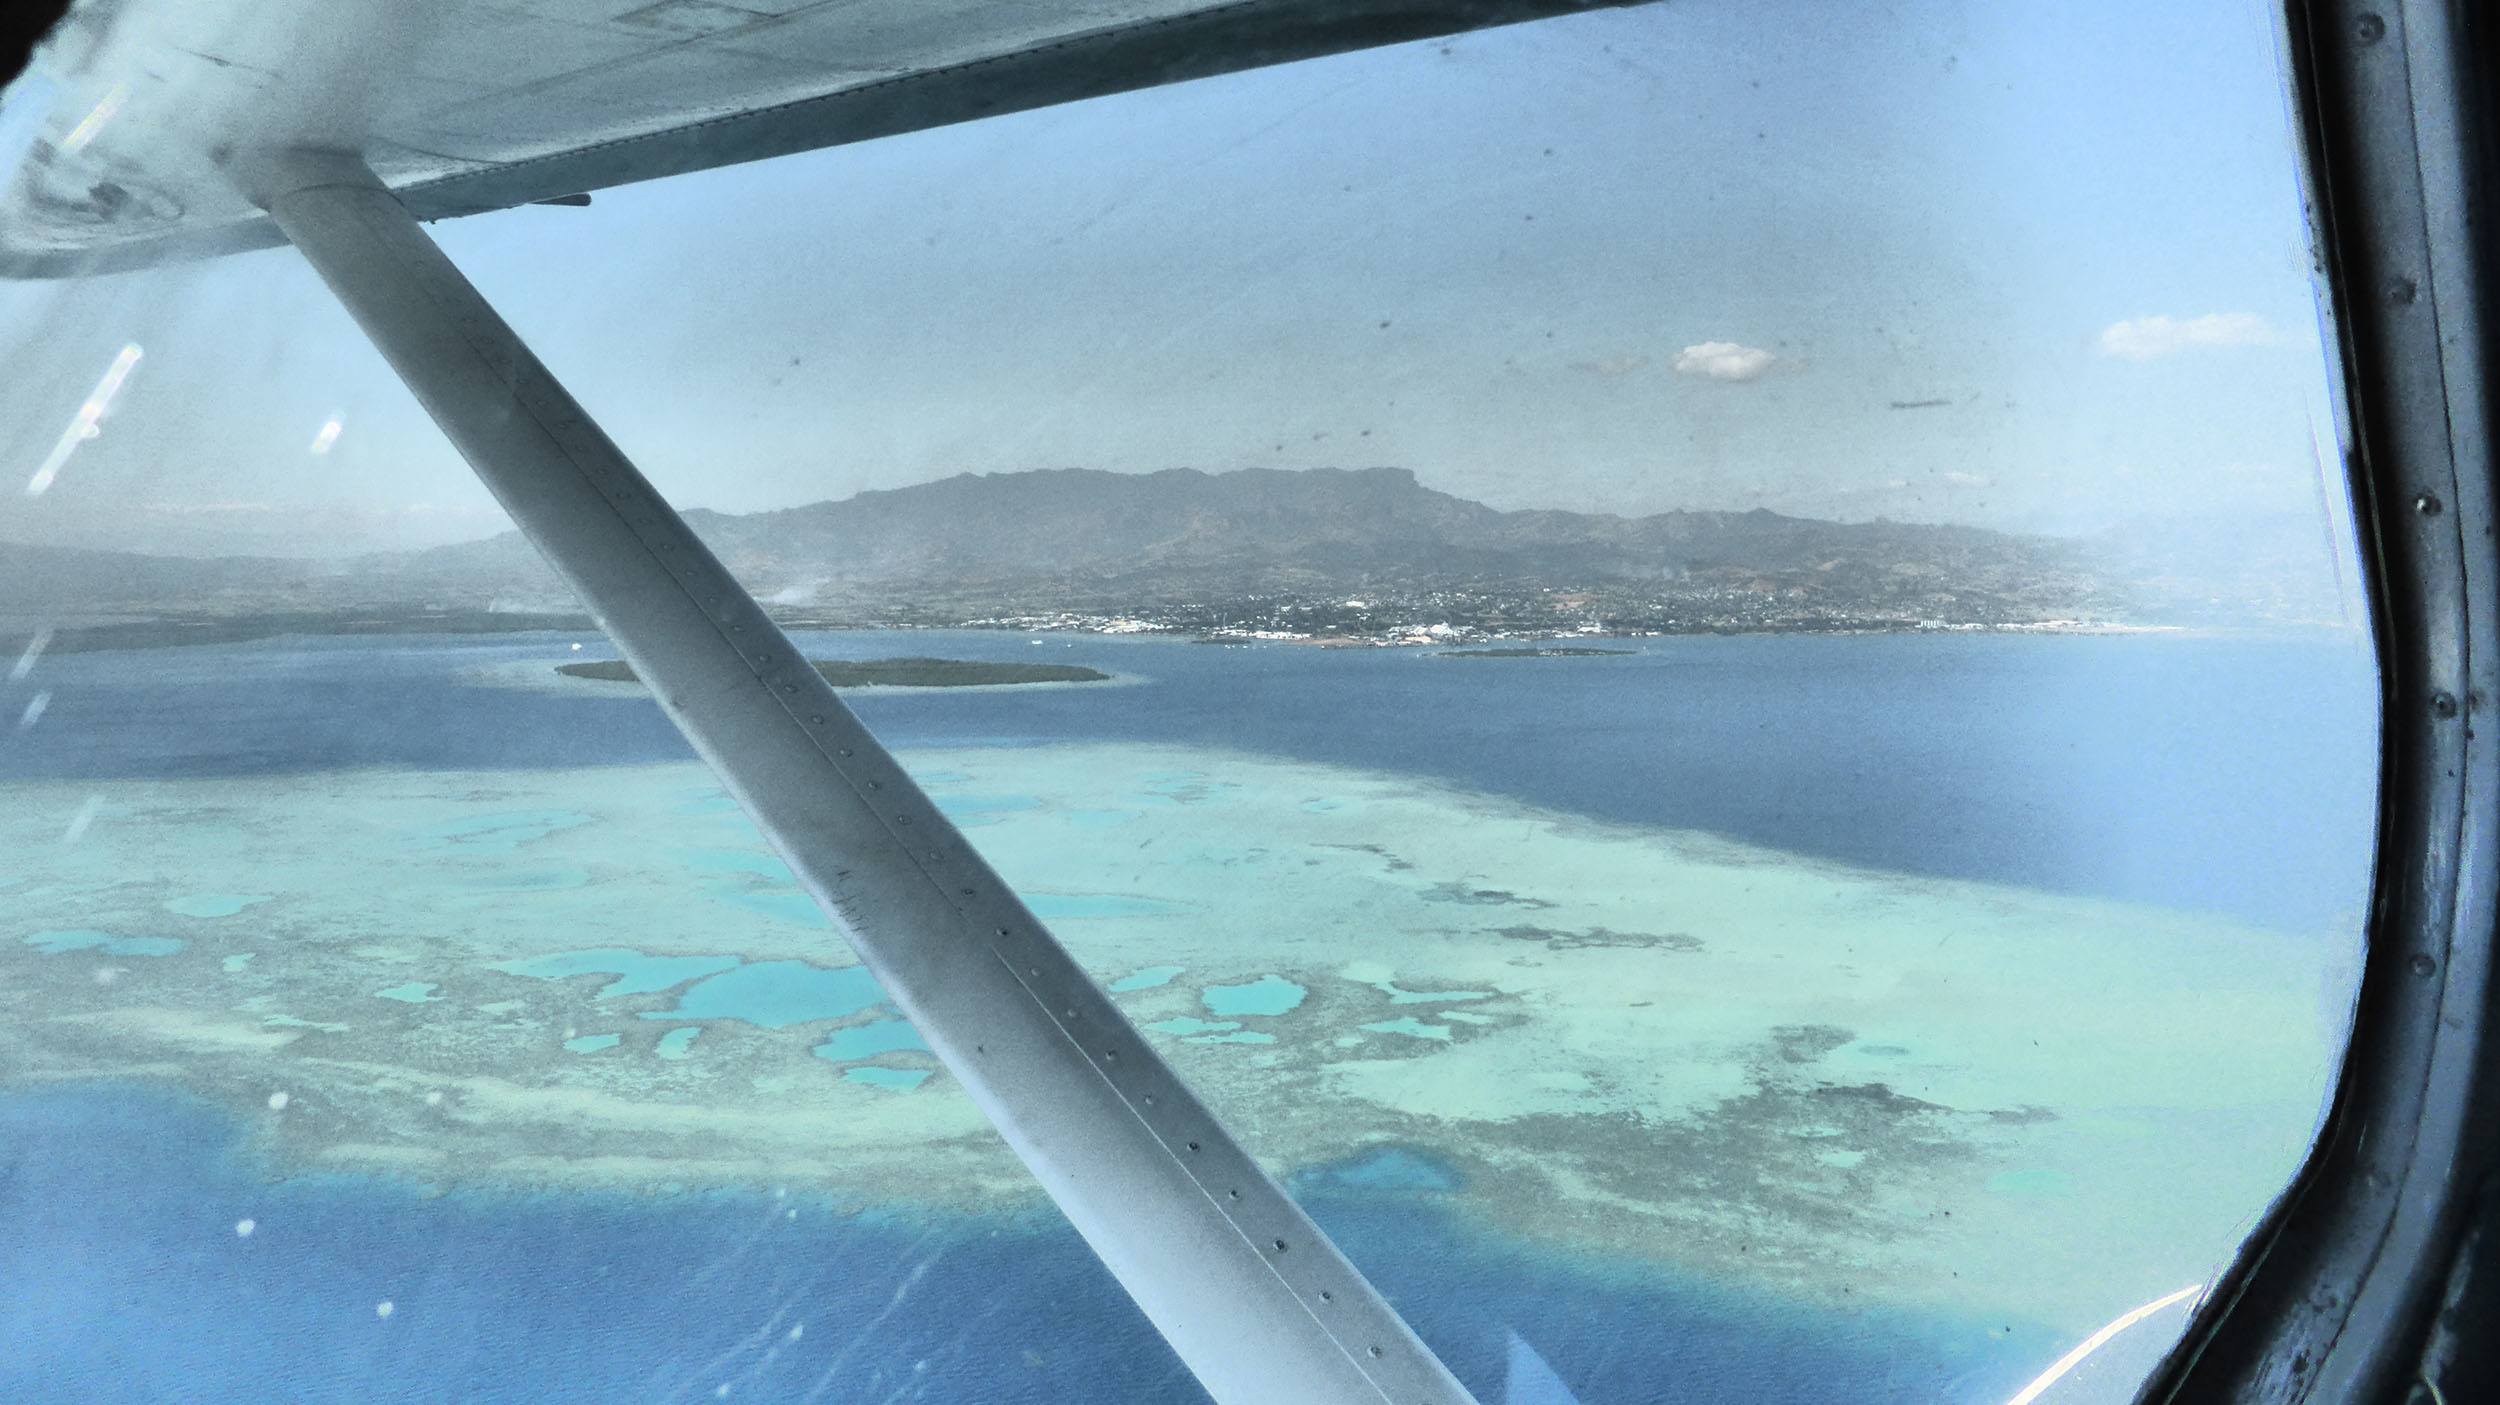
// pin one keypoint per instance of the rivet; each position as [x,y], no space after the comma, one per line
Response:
[1280,1246]
[2403,291]
[1234,1194]
[1326,1296]
[817,719]
[2426,505]
[2369,29]
[2443,706]
[1375,1351]
[2423,965]
[840,750]
[1193,1146]
[1110,1056]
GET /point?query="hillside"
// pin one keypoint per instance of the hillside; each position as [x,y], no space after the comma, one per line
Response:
[1315,551]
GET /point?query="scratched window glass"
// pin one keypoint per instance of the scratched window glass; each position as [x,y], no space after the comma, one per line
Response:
[1706,673]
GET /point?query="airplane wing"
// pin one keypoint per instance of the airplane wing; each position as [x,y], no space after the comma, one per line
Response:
[464,106]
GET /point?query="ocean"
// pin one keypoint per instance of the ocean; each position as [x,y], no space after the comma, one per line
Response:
[158,1253]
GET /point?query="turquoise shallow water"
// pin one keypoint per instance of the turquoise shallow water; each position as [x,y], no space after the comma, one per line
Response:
[1061,907]
[1268,995]
[795,908]
[1191,1024]
[103,944]
[747,861]
[866,1041]
[504,832]
[635,972]
[770,994]
[214,904]
[1400,996]
[1412,1028]
[776,994]
[1146,979]
[900,1080]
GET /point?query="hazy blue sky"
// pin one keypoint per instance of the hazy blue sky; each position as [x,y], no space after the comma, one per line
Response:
[1684,256]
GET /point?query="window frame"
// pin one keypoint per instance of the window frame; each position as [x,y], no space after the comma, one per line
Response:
[2332,1297]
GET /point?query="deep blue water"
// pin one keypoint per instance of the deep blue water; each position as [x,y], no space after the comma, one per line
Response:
[2222,774]
[2235,775]
[126,1282]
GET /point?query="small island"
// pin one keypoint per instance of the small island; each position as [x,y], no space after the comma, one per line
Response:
[1557,653]
[889,673]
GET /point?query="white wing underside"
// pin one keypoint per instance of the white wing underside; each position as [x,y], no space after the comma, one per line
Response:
[469,105]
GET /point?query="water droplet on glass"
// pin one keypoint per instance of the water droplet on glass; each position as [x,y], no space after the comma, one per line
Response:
[385,1308]
[278,1101]
[243,1228]
[87,423]
[35,646]
[78,823]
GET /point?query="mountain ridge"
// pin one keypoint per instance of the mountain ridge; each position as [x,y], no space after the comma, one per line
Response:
[975,546]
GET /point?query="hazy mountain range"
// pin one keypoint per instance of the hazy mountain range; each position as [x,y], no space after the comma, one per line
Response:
[1069,539]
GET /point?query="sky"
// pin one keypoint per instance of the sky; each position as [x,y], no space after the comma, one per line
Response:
[2027,266]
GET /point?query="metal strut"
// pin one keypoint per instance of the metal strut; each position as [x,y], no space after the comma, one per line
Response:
[1257,1302]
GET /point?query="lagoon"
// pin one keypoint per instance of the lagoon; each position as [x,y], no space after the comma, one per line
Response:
[1268,995]
[866,1041]
[777,994]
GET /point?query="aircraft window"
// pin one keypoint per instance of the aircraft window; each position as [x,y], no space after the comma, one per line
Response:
[1706,673]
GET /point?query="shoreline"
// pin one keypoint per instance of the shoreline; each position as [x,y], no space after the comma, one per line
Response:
[140,634]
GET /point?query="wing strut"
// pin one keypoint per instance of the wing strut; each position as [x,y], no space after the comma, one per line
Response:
[1252,1296]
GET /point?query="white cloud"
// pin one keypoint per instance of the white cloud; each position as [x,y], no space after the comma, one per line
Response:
[2149,338]
[1723,361]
